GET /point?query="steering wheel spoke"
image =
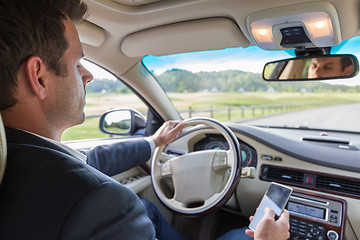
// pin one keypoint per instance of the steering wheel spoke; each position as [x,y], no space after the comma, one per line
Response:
[165,157]
[220,160]
[166,169]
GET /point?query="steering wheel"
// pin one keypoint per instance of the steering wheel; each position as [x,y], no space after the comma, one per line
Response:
[197,182]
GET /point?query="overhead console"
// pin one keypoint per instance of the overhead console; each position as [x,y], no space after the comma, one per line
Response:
[314,24]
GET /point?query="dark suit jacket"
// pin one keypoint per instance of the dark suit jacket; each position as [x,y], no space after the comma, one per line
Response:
[119,157]
[47,193]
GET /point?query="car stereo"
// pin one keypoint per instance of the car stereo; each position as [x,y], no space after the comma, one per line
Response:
[314,216]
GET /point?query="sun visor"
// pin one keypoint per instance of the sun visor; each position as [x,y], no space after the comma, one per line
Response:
[198,35]
[90,33]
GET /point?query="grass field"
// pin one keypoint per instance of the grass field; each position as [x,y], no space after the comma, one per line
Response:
[98,104]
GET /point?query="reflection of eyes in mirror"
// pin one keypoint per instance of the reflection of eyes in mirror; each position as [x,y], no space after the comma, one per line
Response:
[312,68]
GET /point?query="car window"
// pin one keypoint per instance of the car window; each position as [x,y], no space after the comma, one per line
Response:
[104,93]
[227,85]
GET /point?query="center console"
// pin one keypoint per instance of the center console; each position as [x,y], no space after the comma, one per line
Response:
[315,216]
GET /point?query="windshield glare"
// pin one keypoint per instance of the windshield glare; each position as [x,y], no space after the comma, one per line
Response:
[227,85]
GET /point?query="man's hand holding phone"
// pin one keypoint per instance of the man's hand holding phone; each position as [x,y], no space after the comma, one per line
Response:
[263,225]
[269,229]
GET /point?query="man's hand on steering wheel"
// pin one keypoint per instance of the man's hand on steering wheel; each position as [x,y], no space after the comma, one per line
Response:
[167,133]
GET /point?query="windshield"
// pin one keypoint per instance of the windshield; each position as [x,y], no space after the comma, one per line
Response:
[227,85]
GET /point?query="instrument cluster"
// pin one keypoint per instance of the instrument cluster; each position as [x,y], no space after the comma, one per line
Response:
[215,141]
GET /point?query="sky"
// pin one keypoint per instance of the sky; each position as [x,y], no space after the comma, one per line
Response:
[251,59]
[245,59]
[97,72]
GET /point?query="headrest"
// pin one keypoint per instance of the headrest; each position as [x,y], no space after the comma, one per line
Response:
[3,149]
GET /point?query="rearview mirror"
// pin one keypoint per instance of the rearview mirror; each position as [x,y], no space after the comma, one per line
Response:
[312,68]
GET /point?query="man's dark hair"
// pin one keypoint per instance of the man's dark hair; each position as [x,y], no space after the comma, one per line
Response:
[33,28]
[345,62]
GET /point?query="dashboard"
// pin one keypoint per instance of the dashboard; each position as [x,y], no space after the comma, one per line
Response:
[218,142]
[323,170]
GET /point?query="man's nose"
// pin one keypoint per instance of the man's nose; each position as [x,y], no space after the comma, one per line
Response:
[318,71]
[86,76]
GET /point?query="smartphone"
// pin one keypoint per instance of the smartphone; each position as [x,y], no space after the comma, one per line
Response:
[275,198]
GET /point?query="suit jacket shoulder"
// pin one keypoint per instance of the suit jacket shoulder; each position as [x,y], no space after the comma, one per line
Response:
[48,194]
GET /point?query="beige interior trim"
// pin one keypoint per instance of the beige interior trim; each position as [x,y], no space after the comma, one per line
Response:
[143,82]
[90,33]
[136,2]
[349,231]
[197,35]
[139,180]
[3,149]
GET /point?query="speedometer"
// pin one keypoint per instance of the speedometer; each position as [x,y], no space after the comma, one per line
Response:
[216,145]
[218,142]
[246,155]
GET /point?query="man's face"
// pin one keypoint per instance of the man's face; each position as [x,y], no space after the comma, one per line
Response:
[67,105]
[325,67]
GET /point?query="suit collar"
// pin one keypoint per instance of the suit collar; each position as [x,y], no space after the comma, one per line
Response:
[19,137]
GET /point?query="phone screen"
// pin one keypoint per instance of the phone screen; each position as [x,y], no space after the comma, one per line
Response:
[275,198]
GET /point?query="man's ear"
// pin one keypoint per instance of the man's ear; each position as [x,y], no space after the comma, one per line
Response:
[348,70]
[36,73]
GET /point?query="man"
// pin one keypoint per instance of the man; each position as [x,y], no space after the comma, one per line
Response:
[324,67]
[47,191]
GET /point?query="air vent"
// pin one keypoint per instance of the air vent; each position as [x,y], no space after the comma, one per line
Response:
[283,175]
[318,181]
[338,185]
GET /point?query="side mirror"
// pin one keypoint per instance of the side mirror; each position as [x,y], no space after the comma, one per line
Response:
[311,68]
[122,122]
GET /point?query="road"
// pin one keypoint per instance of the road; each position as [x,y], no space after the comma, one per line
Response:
[342,117]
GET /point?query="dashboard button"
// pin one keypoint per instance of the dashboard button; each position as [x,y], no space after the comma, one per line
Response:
[266,157]
[294,220]
[314,231]
[321,228]
[333,220]
[332,235]
[302,234]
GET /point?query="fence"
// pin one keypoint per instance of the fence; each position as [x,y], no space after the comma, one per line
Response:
[242,112]
[239,112]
